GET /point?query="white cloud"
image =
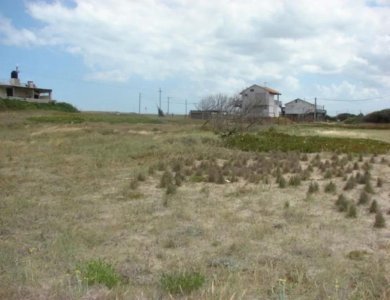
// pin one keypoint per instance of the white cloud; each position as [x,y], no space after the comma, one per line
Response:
[222,45]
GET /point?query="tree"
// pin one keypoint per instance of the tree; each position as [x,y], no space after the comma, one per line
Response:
[213,102]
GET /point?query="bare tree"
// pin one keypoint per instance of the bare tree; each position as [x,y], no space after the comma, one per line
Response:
[217,102]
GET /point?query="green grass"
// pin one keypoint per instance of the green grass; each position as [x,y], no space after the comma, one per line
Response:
[110,118]
[10,105]
[99,272]
[272,140]
[182,283]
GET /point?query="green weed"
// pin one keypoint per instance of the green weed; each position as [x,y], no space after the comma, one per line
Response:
[181,283]
[99,272]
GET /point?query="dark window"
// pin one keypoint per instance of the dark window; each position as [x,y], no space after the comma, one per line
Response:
[252,90]
[10,92]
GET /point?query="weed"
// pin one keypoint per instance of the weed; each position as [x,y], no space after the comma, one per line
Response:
[179,179]
[313,187]
[141,177]
[181,283]
[342,203]
[350,184]
[282,182]
[330,187]
[171,189]
[294,180]
[272,141]
[364,198]
[134,184]
[151,170]
[379,220]
[328,174]
[368,188]
[352,212]
[373,207]
[166,179]
[99,272]
[286,204]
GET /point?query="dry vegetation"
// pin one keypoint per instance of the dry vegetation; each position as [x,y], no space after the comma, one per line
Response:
[110,210]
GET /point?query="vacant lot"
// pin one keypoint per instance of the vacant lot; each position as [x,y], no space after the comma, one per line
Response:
[125,207]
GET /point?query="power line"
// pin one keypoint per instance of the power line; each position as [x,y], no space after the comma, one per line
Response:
[352,100]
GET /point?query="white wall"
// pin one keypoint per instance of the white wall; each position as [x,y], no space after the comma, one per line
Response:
[299,107]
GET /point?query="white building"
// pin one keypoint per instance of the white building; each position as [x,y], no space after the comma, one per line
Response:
[259,101]
[299,109]
[28,91]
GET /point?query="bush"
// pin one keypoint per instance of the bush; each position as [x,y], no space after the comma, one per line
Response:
[352,212]
[381,116]
[294,181]
[313,188]
[350,184]
[166,179]
[364,198]
[99,272]
[181,283]
[373,207]
[342,203]
[330,187]
[379,220]
[282,182]
[11,104]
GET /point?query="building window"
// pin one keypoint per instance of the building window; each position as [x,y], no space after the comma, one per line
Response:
[252,90]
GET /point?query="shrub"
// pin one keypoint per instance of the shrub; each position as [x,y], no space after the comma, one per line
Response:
[294,181]
[379,220]
[99,272]
[364,198]
[141,177]
[350,184]
[313,187]
[181,283]
[171,189]
[373,207]
[166,179]
[330,187]
[352,212]
[342,203]
[381,116]
[282,182]
[368,188]
[328,174]
[134,184]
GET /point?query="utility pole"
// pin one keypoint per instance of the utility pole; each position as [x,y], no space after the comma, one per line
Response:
[315,109]
[159,91]
[186,108]
[168,105]
[139,103]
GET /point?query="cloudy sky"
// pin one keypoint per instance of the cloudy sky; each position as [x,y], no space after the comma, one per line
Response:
[100,55]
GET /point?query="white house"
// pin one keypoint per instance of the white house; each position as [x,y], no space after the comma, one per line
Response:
[27,91]
[302,109]
[259,101]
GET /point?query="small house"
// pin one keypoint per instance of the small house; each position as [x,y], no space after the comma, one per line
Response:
[260,101]
[28,91]
[302,110]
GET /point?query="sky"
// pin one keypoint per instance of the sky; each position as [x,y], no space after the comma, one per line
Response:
[104,55]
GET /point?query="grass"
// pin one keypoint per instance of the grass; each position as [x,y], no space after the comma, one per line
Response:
[99,272]
[276,141]
[71,193]
[17,105]
[182,282]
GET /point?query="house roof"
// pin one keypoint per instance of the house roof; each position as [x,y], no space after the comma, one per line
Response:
[300,100]
[269,90]
[25,87]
